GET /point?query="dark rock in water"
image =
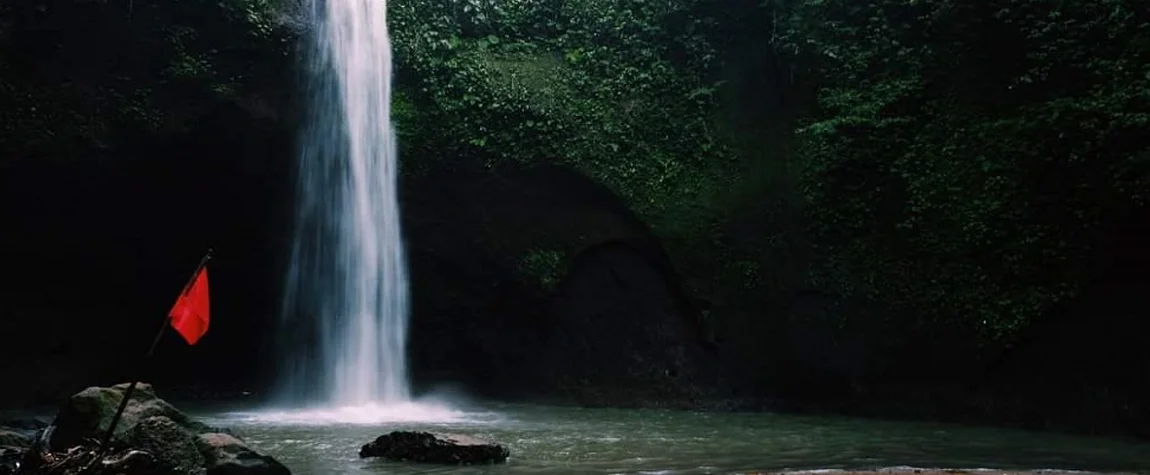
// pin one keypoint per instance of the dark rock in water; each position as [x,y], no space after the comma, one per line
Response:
[426,447]
[88,414]
[172,446]
[228,455]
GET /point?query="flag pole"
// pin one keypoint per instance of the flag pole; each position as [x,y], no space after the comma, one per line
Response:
[155,341]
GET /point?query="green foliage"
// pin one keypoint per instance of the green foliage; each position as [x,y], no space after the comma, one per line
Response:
[953,171]
[961,157]
[543,265]
[113,70]
[588,84]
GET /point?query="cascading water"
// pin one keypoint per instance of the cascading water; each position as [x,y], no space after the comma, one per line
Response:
[347,289]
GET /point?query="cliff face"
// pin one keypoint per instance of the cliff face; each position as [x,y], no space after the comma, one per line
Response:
[649,204]
[539,282]
[101,247]
[133,139]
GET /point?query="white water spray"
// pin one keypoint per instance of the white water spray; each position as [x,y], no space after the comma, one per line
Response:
[347,289]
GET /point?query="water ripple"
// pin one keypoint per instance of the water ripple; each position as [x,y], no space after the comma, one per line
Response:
[574,441]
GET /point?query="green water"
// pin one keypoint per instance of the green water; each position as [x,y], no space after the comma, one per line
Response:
[560,440]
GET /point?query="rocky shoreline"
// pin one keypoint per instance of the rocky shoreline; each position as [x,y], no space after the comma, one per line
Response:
[152,437]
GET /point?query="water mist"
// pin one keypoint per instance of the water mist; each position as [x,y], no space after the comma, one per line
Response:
[347,286]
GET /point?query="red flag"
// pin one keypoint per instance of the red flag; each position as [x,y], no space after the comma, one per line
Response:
[190,313]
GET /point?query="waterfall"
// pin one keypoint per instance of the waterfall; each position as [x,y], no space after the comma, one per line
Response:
[346,295]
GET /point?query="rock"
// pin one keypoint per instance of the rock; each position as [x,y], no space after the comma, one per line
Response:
[130,462]
[13,445]
[87,414]
[11,438]
[25,423]
[20,433]
[227,455]
[533,323]
[618,338]
[10,460]
[152,437]
[426,447]
[172,446]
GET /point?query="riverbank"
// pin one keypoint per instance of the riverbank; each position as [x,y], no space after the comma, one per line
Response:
[568,439]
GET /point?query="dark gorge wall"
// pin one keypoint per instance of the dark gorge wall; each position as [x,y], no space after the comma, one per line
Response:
[97,247]
[538,282]
[133,137]
[630,206]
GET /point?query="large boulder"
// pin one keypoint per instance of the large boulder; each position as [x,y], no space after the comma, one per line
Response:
[173,448]
[87,415]
[11,438]
[427,447]
[152,435]
[228,455]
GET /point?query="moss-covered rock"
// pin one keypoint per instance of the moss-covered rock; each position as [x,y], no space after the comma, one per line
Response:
[172,446]
[152,436]
[87,415]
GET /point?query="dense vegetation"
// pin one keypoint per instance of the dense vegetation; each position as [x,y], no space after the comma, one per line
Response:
[943,176]
[89,75]
[949,169]
[961,159]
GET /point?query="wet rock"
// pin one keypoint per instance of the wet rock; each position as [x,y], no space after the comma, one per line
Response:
[10,458]
[599,279]
[20,433]
[426,447]
[152,438]
[11,438]
[25,423]
[14,443]
[91,461]
[87,415]
[131,462]
[228,455]
[173,447]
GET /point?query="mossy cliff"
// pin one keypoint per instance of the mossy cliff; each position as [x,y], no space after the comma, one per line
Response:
[892,207]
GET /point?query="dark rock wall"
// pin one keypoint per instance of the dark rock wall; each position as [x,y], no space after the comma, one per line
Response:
[478,318]
[97,249]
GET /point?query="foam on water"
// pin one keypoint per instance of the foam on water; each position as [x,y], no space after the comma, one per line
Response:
[370,413]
